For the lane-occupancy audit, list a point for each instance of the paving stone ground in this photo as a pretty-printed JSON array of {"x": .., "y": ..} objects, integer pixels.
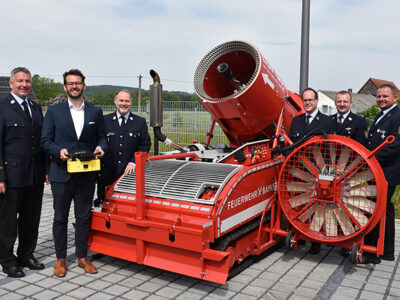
[{"x": 282, "y": 274}]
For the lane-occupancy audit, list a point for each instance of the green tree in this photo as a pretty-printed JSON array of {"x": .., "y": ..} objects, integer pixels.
[
  {"x": 104, "y": 98},
  {"x": 45, "y": 88},
  {"x": 370, "y": 113}
]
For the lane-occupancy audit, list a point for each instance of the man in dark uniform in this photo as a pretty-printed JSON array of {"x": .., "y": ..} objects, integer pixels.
[
  {"x": 348, "y": 123},
  {"x": 307, "y": 122},
  {"x": 311, "y": 119},
  {"x": 126, "y": 134},
  {"x": 22, "y": 175},
  {"x": 386, "y": 123}
]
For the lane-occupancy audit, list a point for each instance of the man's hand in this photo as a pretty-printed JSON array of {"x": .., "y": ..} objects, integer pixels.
[
  {"x": 99, "y": 150},
  {"x": 63, "y": 154},
  {"x": 2, "y": 187},
  {"x": 130, "y": 168},
  {"x": 47, "y": 179}
]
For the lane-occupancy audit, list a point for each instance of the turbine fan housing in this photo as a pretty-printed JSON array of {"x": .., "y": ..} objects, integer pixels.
[{"x": 328, "y": 190}]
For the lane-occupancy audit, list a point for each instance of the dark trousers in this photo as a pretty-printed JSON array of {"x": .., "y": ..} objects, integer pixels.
[
  {"x": 20, "y": 210},
  {"x": 79, "y": 188},
  {"x": 372, "y": 237},
  {"x": 104, "y": 180}
]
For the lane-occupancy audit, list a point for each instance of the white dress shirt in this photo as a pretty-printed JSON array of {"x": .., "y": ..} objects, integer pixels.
[
  {"x": 78, "y": 117},
  {"x": 20, "y": 101}
]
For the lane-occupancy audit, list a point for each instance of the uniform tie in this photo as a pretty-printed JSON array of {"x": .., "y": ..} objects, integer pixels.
[
  {"x": 123, "y": 121},
  {"x": 26, "y": 110},
  {"x": 340, "y": 120},
  {"x": 308, "y": 117}
]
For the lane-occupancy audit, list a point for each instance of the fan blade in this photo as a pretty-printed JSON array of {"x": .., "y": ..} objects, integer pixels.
[
  {"x": 332, "y": 152},
  {"x": 299, "y": 186},
  {"x": 344, "y": 221},
  {"x": 358, "y": 215},
  {"x": 361, "y": 178},
  {"x": 362, "y": 203},
  {"x": 330, "y": 223},
  {"x": 308, "y": 213},
  {"x": 364, "y": 191},
  {"x": 318, "y": 219},
  {"x": 309, "y": 165},
  {"x": 343, "y": 159},
  {"x": 319, "y": 159},
  {"x": 300, "y": 199},
  {"x": 353, "y": 163},
  {"x": 301, "y": 174}
]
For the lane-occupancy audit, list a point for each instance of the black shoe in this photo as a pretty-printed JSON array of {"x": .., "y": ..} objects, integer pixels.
[
  {"x": 315, "y": 248},
  {"x": 14, "y": 271},
  {"x": 32, "y": 264},
  {"x": 387, "y": 257},
  {"x": 344, "y": 252},
  {"x": 97, "y": 202},
  {"x": 370, "y": 259}
]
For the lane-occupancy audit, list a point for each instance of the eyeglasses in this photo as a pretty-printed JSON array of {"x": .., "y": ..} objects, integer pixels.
[
  {"x": 308, "y": 100},
  {"x": 74, "y": 83}
]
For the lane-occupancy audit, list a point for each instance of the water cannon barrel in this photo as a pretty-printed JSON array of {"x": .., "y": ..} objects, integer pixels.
[{"x": 243, "y": 93}]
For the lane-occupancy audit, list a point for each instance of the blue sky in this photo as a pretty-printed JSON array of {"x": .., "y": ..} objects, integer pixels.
[{"x": 113, "y": 41}]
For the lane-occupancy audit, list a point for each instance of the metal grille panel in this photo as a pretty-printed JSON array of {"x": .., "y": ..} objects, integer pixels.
[{"x": 179, "y": 180}]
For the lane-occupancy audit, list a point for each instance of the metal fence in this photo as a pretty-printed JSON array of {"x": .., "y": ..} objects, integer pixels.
[{"x": 183, "y": 123}]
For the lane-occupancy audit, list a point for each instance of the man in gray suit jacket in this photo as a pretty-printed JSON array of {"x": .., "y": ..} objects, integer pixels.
[{"x": 72, "y": 125}]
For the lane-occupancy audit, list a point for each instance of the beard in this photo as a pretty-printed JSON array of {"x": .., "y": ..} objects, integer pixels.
[
  {"x": 74, "y": 97},
  {"x": 123, "y": 112}
]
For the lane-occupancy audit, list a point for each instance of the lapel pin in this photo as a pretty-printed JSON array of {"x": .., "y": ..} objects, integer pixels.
[
  {"x": 114, "y": 117},
  {"x": 317, "y": 118},
  {"x": 12, "y": 101},
  {"x": 130, "y": 118},
  {"x": 350, "y": 119}
]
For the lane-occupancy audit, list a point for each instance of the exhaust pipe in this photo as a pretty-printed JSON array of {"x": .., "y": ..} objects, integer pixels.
[{"x": 156, "y": 117}]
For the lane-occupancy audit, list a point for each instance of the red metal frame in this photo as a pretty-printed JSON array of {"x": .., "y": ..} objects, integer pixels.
[
  {"x": 181, "y": 241},
  {"x": 302, "y": 228}
]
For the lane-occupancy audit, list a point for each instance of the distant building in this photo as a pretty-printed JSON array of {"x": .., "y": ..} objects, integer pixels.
[
  {"x": 5, "y": 88},
  {"x": 372, "y": 85},
  {"x": 361, "y": 102}
]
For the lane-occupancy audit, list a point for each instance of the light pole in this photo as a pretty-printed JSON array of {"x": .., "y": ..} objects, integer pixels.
[{"x": 305, "y": 45}]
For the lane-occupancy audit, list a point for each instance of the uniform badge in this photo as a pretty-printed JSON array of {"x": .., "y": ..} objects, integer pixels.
[
  {"x": 350, "y": 119},
  {"x": 130, "y": 118},
  {"x": 383, "y": 133},
  {"x": 348, "y": 129},
  {"x": 12, "y": 101},
  {"x": 317, "y": 118},
  {"x": 114, "y": 117}
]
